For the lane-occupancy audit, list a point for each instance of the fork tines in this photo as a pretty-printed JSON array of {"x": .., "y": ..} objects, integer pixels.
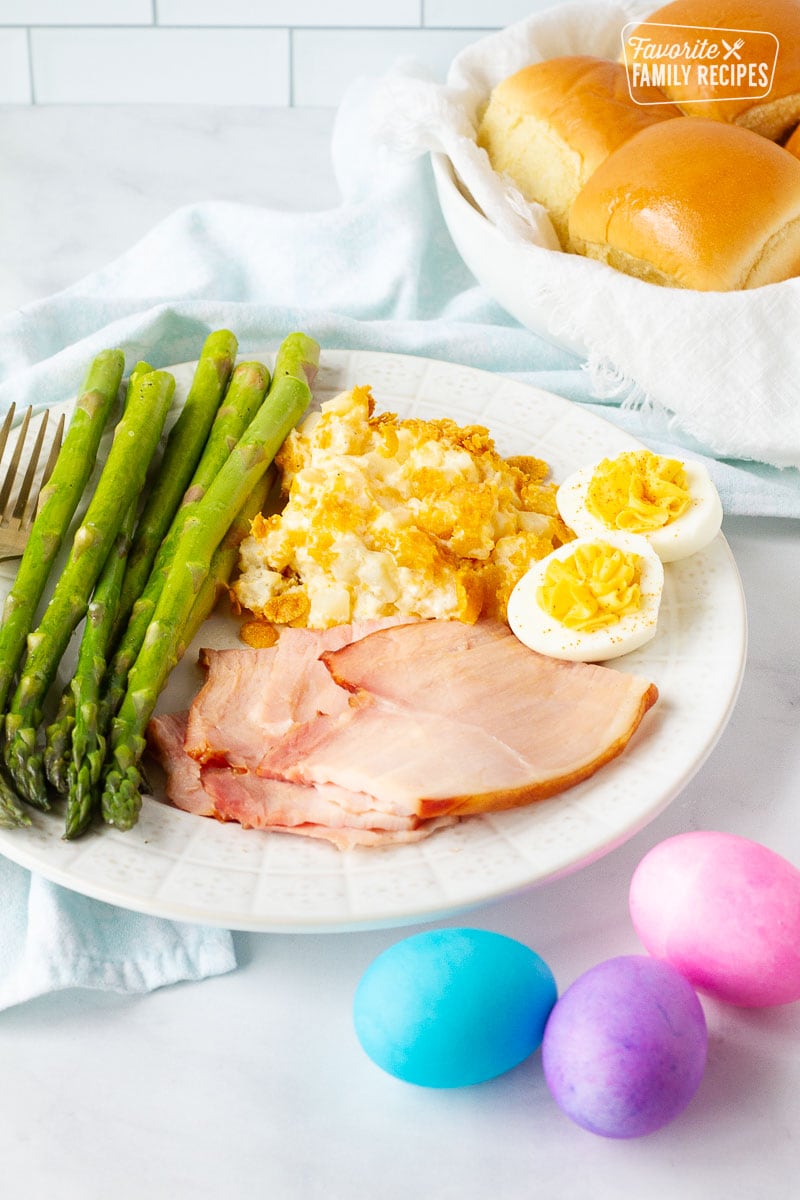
[{"x": 20, "y": 506}]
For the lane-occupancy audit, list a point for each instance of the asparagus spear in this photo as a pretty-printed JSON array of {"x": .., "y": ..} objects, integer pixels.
[
  {"x": 286, "y": 402},
  {"x": 120, "y": 483},
  {"x": 226, "y": 556},
  {"x": 87, "y": 748},
  {"x": 11, "y": 815},
  {"x": 223, "y": 564},
  {"x": 58, "y": 735},
  {"x": 57, "y": 503},
  {"x": 83, "y": 746},
  {"x": 58, "y": 741},
  {"x": 181, "y": 453},
  {"x": 248, "y": 386}
]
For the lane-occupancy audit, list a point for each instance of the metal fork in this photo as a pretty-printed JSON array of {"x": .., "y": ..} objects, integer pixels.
[{"x": 18, "y": 504}]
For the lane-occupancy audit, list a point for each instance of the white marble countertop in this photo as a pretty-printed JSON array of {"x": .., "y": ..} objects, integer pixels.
[{"x": 252, "y": 1084}]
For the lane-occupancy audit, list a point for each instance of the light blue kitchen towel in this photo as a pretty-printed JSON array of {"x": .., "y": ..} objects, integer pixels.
[
  {"x": 378, "y": 272},
  {"x": 53, "y": 938}
]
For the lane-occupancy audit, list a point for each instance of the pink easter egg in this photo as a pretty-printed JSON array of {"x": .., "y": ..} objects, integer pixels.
[{"x": 725, "y": 912}]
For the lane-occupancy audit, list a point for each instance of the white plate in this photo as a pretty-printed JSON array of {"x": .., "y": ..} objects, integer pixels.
[{"x": 190, "y": 868}]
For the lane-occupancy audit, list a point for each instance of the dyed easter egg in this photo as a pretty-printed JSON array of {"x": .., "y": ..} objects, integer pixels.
[
  {"x": 725, "y": 912},
  {"x": 450, "y": 1007},
  {"x": 624, "y": 1049}
]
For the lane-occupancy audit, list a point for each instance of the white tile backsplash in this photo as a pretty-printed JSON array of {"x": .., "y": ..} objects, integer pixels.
[
  {"x": 76, "y": 12},
  {"x": 154, "y": 66},
  {"x": 233, "y": 52},
  {"x": 322, "y": 13},
  {"x": 325, "y": 61},
  {"x": 15, "y": 87},
  {"x": 479, "y": 14}
]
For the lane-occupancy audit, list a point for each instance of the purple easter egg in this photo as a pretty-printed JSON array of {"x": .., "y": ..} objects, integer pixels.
[{"x": 624, "y": 1049}]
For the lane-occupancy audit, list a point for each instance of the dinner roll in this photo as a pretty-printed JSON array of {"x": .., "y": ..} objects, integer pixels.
[
  {"x": 696, "y": 204},
  {"x": 792, "y": 143},
  {"x": 551, "y": 124},
  {"x": 718, "y": 96}
]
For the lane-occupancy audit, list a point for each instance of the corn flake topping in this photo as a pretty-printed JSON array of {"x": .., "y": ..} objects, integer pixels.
[{"x": 388, "y": 517}]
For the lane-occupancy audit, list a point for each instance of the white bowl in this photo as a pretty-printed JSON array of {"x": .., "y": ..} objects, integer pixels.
[{"x": 497, "y": 265}]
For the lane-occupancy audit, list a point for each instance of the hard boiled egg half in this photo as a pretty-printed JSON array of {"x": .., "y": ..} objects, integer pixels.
[
  {"x": 592, "y": 599},
  {"x": 672, "y": 504}
]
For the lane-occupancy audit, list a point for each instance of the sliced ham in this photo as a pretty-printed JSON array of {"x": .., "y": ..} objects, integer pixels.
[
  {"x": 184, "y": 788},
  {"x": 251, "y": 698},
  {"x": 323, "y": 810},
  {"x": 240, "y": 796},
  {"x": 459, "y": 719},
  {"x": 379, "y": 739},
  {"x": 259, "y": 803}
]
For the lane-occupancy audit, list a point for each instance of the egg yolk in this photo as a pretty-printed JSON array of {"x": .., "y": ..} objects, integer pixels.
[
  {"x": 638, "y": 491},
  {"x": 592, "y": 588}
]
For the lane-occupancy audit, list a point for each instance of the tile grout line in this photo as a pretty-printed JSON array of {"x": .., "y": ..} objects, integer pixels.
[
  {"x": 31, "y": 82},
  {"x": 290, "y": 32},
  {"x": 318, "y": 27}
]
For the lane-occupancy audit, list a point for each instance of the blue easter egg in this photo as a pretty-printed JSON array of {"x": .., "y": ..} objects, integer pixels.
[{"x": 451, "y": 1007}]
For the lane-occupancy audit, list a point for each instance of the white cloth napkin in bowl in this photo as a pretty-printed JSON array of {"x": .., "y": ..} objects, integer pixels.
[{"x": 724, "y": 366}]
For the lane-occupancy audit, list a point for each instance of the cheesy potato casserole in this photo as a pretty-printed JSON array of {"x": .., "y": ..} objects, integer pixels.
[{"x": 389, "y": 517}]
